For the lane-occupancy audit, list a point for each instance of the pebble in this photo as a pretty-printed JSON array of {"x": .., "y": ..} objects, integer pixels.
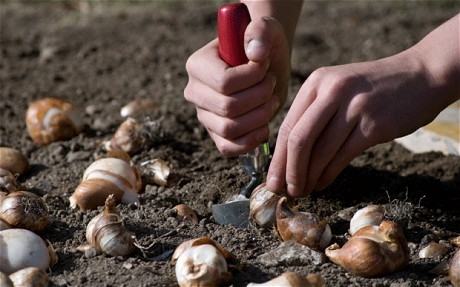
[
  {"x": 78, "y": 155},
  {"x": 292, "y": 254}
]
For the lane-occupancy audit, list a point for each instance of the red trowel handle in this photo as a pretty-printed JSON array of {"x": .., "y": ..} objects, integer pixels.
[{"x": 232, "y": 20}]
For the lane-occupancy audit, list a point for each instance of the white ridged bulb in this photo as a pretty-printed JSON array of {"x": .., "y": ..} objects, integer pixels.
[
  {"x": 201, "y": 265},
  {"x": 107, "y": 234},
  {"x": 104, "y": 177}
]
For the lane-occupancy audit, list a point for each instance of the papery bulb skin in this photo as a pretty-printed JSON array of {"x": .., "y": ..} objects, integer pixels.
[
  {"x": 367, "y": 216},
  {"x": 262, "y": 206},
  {"x": 127, "y": 137},
  {"x": 30, "y": 276},
  {"x": 5, "y": 280},
  {"x": 185, "y": 213},
  {"x": 203, "y": 266},
  {"x": 201, "y": 262},
  {"x": 373, "y": 251},
  {"x": 8, "y": 182},
  {"x": 454, "y": 269},
  {"x": 51, "y": 119},
  {"x": 302, "y": 227},
  {"x": 104, "y": 177},
  {"x": 107, "y": 234},
  {"x": 432, "y": 250},
  {"x": 23, "y": 209},
  {"x": 13, "y": 160}
]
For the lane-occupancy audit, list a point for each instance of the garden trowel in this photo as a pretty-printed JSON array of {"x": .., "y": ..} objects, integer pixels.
[{"x": 232, "y": 20}]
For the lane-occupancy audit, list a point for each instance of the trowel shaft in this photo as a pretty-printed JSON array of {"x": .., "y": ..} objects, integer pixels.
[{"x": 232, "y": 22}]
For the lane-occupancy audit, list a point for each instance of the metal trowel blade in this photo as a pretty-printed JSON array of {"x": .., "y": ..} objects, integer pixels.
[{"x": 235, "y": 212}]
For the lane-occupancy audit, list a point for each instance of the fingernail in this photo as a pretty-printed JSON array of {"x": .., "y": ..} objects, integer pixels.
[
  {"x": 272, "y": 182},
  {"x": 255, "y": 49}
]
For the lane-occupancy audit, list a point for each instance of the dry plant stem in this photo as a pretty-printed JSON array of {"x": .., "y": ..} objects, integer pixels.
[{"x": 144, "y": 248}]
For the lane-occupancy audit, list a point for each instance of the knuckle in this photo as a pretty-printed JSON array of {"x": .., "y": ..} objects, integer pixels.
[
  {"x": 222, "y": 83},
  {"x": 226, "y": 129},
  {"x": 284, "y": 131},
  {"x": 226, "y": 108},
  {"x": 188, "y": 93}
]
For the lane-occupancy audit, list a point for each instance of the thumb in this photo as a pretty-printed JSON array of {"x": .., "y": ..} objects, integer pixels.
[{"x": 261, "y": 37}]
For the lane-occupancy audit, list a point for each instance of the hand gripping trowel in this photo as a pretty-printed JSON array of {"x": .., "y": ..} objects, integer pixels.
[{"x": 232, "y": 20}]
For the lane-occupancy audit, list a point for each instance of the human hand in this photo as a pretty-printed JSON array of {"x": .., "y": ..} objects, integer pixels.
[
  {"x": 341, "y": 111},
  {"x": 235, "y": 104}
]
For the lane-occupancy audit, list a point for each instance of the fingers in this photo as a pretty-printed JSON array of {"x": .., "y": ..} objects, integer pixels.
[
  {"x": 234, "y": 105},
  {"x": 240, "y": 145},
  {"x": 326, "y": 148},
  {"x": 206, "y": 66},
  {"x": 351, "y": 148},
  {"x": 313, "y": 133},
  {"x": 263, "y": 37},
  {"x": 231, "y": 128},
  {"x": 277, "y": 173}
]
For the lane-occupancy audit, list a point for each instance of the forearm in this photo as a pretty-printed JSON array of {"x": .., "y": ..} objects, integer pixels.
[
  {"x": 439, "y": 52},
  {"x": 286, "y": 12}
]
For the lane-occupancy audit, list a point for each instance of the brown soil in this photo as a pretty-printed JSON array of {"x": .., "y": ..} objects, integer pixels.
[{"x": 101, "y": 56}]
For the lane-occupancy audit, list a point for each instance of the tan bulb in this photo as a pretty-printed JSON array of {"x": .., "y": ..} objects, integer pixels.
[
  {"x": 13, "y": 160},
  {"x": 262, "y": 206},
  {"x": 104, "y": 177},
  {"x": 302, "y": 227},
  {"x": 107, "y": 233},
  {"x": 22, "y": 209},
  {"x": 373, "y": 251},
  {"x": 51, "y": 119}
]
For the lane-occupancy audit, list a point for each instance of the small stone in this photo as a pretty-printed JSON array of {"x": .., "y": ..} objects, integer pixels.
[{"x": 292, "y": 254}]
